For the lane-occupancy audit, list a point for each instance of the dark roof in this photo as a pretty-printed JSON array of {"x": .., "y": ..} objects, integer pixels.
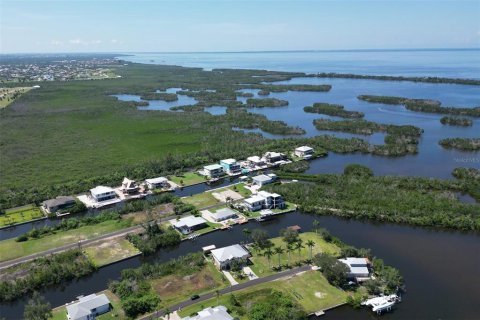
[{"x": 58, "y": 201}]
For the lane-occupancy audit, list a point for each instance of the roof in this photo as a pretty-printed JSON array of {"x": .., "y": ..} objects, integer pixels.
[
  {"x": 273, "y": 154},
  {"x": 262, "y": 178},
  {"x": 128, "y": 184},
  {"x": 156, "y": 180},
  {"x": 355, "y": 261},
  {"x": 84, "y": 305},
  {"x": 254, "y": 199},
  {"x": 215, "y": 313},
  {"x": 254, "y": 159},
  {"x": 101, "y": 189},
  {"x": 224, "y": 213},
  {"x": 189, "y": 221},
  {"x": 266, "y": 194},
  {"x": 213, "y": 167},
  {"x": 229, "y": 161},
  {"x": 229, "y": 253},
  {"x": 58, "y": 201},
  {"x": 303, "y": 148}
]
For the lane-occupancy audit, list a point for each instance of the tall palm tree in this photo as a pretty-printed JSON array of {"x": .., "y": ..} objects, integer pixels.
[
  {"x": 279, "y": 251},
  {"x": 289, "y": 250},
  {"x": 299, "y": 245},
  {"x": 167, "y": 313},
  {"x": 246, "y": 233},
  {"x": 316, "y": 224},
  {"x": 268, "y": 254},
  {"x": 217, "y": 294},
  {"x": 310, "y": 244}
]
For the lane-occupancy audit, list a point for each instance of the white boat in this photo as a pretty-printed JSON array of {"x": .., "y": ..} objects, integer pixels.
[{"x": 381, "y": 303}]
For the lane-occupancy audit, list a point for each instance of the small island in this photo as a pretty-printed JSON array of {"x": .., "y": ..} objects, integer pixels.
[
  {"x": 464, "y": 144},
  {"x": 456, "y": 121},
  {"x": 266, "y": 103},
  {"x": 332, "y": 110}
]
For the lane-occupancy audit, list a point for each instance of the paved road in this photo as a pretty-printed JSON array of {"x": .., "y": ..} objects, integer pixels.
[{"x": 184, "y": 304}]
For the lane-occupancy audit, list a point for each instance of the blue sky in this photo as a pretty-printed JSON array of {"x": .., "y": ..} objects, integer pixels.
[{"x": 164, "y": 26}]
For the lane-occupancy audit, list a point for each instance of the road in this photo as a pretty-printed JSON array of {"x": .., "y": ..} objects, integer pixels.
[{"x": 184, "y": 304}]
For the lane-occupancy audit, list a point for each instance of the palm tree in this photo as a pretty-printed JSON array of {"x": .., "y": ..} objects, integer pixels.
[
  {"x": 310, "y": 244},
  {"x": 217, "y": 294},
  {"x": 316, "y": 224},
  {"x": 279, "y": 251},
  {"x": 289, "y": 250},
  {"x": 299, "y": 245},
  {"x": 167, "y": 313},
  {"x": 247, "y": 233},
  {"x": 268, "y": 254}
]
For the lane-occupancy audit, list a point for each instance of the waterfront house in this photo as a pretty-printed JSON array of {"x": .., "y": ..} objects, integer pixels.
[
  {"x": 213, "y": 171},
  {"x": 102, "y": 193},
  {"x": 157, "y": 183},
  {"x": 358, "y": 267},
  {"x": 254, "y": 203},
  {"x": 264, "y": 179},
  {"x": 129, "y": 186},
  {"x": 87, "y": 308},
  {"x": 230, "y": 166},
  {"x": 256, "y": 161},
  {"x": 215, "y": 313},
  {"x": 224, "y": 214},
  {"x": 223, "y": 257},
  {"x": 304, "y": 152},
  {"x": 59, "y": 203},
  {"x": 273, "y": 157},
  {"x": 272, "y": 200},
  {"x": 189, "y": 224}
]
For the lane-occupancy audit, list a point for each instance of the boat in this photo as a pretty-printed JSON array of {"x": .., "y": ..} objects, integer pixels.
[{"x": 381, "y": 303}]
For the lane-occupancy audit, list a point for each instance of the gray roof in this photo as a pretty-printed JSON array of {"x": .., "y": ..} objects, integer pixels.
[
  {"x": 58, "y": 201},
  {"x": 215, "y": 313},
  {"x": 224, "y": 213},
  {"x": 85, "y": 305},
  {"x": 228, "y": 253},
  {"x": 213, "y": 167},
  {"x": 189, "y": 222},
  {"x": 262, "y": 178}
]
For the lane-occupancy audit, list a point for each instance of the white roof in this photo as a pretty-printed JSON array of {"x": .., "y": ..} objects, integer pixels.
[
  {"x": 229, "y": 161},
  {"x": 223, "y": 214},
  {"x": 229, "y": 253},
  {"x": 189, "y": 221},
  {"x": 273, "y": 154},
  {"x": 83, "y": 307},
  {"x": 266, "y": 194},
  {"x": 156, "y": 180},
  {"x": 215, "y": 313},
  {"x": 262, "y": 178},
  {"x": 355, "y": 261},
  {"x": 254, "y": 159},
  {"x": 254, "y": 199},
  {"x": 101, "y": 189},
  {"x": 213, "y": 167},
  {"x": 303, "y": 148}
]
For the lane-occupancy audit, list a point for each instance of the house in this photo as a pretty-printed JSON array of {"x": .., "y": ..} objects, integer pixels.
[
  {"x": 264, "y": 179},
  {"x": 358, "y": 267},
  {"x": 254, "y": 203},
  {"x": 272, "y": 200},
  {"x": 272, "y": 157},
  {"x": 102, "y": 193},
  {"x": 157, "y": 183},
  {"x": 59, "y": 203},
  {"x": 87, "y": 308},
  {"x": 256, "y": 161},
  {"x": 224, "y": 256},
  {"x": 213, "y": 171},
  {"x": 304, "y": 152},
  {"x": 224, "y": 214},
  {"x": 189, "y": 224},
  {"x": 129, "y": 186},
  {"x": 230, "y": 166},
  {"x": 215, "y": 313}
]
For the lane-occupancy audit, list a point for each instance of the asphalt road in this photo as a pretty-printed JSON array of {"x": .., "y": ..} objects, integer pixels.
[{"x": 184, "y": 304}]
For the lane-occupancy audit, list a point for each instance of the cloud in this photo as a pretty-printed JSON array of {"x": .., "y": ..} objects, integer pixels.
[
  {"x": 84, "y": 42},
  {"x": 56, "y": 42}
]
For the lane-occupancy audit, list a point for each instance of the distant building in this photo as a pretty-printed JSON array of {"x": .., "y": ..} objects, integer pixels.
[
  {"x": 102, "y": 193},
  {"x": 230, "y": 166},
  {"x": 189, "y": 224},
  {"x": 263, "y": 179},
  {"x": 358, "y": 267},
  {"x": 224, "y": 214},
  {"x": 215, "y": 313},
  {"x": 129, "y": 186},
  {"x": 213, "y": 170},
  {"x": 59, "y": 203},
  {"x": 157, "y": 183},
  {"x": 256, "y": 161},
  {"x": 87, "y": 308},
  {"x": 224, "y": 256},
  {"x": 264, "y": 200},
  {"x": 304, "y": 152},
  {"x": 272, "y": 157}
]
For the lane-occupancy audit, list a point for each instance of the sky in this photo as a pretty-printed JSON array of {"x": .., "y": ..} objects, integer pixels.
[{"x": 44, "y": 26}]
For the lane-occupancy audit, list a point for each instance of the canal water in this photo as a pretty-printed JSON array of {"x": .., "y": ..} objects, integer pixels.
[{"x": 440, "y": 267}]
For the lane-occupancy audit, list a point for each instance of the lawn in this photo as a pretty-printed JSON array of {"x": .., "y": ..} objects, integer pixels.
[
  {"x": 201, "y": 200},
  {"x": 260, "y": 263},
  {"x": 10, "y": 249},
  {"x": 309, "y": 289},
  {"x": 8, "y": 95},
  {"x": 21, "y": 214},
  {"x": 173, "y": 289},
  {"x": 188, "y": 178},
  {"x": 108, "y": 251}
]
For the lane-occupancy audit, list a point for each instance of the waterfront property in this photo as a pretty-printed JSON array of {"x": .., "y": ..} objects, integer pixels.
[
  {"x": 358, "y": 268},
  {"x": 274, "y": 157},
  {"x": 87, "y": 308},
  {"x": 213, "y": 170},
  {"x": 189, "y": 224},
  {"x": 129, "y": 186},
  {"x": 230, "y": 166},
  {"x": 20, "y": 214},
  {"x": 223, "y": 257},
  {"x": 223, "y": 214},
  {"x": 59, "y": 203},
  {"x": 157, "y": 183},
  {"x": 102, "y": 193},
  {"x": 211, "y": 313},
  {"x": 264, "y": 200},
  {"x": 304, "y": 152},
  {"x": 256, "y": 161},
  {"x": 264, "y": 179}
]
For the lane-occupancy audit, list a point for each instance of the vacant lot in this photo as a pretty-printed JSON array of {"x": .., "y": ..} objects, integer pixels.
[
  {"x": 187, "y": 178},
  {"x": 19, "y": 215},
  {"x": 108, "y": 251}
]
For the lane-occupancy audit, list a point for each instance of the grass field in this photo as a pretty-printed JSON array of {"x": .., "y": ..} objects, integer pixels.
[
  {"x": 310, "y": 290},
  {"x": 188, "y": 178},
  {"x": 109, "y": 251},
  {"x": 10, "y": 249},
  {"x": 18, "y": 215},
  {"x": 7, "y": 95},
  {"x": 201, "y": 200},
  {"x": 260, "y": 263}
]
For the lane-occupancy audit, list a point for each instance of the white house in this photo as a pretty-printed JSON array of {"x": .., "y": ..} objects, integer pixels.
[
  {"x": 215, "y": 313},
  {"x": 190, "y": 223},
  {"x": 230, "y": 166},
  {"x": 304, "y": 152},
  {"x": 254, "y": 203},
  {"x": 87, "y": 308},
  {"x": 358, "y": 267},
  {"x": 224, "y": 214},
  {"x": 213, "y": 170},
  {"x": 102, "y": 193},
  {"x": 129, "y": 186},
  {"x": 256, "y": 161},
  {"x": 272, "y": 157},
  {"x": 264, "y": 200},
  {"x": 157, "y": 183},
  {"x": 224, "y": 256},
  {"x": 264, "y": 179}
]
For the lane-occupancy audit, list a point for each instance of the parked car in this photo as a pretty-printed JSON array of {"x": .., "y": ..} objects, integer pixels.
[{"x": 194, "y": 297}]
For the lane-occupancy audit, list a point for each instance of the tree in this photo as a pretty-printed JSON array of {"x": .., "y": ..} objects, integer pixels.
[
  {"x": 315, "y": 225},
  {"x": 310, "y": 244},
  {"x": 279, "y": 251},
  {"x": 247, "y": 233},
  {"x": 268, "y": 254},
  {"x": 299, "y": 245},
  {"x": 289, "y": 251},
  {"x": 335, "y": 271},
  {"x": 217, "y": 294},
  {"x": 260, "y": 238},
  {"x": 167, "y": 313},
  {"x": 289, "y": 236},
  {"x": 37, "y": 308},
  {"x": 357, "y": 170}
]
